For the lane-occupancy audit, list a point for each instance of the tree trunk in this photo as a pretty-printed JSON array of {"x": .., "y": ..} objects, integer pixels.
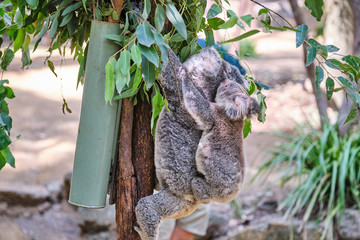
[
  {"x": 320, "y": 97},
  {"x": 136, "y": 169}
]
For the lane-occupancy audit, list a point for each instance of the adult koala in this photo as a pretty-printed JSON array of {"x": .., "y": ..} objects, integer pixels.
[{"x": 177, "y": 138}]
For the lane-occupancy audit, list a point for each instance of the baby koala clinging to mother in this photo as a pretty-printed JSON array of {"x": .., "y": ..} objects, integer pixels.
[{"x": 220, "y": 157}]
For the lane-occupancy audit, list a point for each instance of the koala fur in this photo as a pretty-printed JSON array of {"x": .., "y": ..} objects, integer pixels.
[
  {"x": 220, "y": 157},
  {"x": 177, "y": 138}
]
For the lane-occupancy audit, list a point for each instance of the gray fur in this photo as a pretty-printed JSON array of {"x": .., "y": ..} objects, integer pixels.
[
  {"x": 220, "y": 156},
  {"x": 177, "y": 138}
]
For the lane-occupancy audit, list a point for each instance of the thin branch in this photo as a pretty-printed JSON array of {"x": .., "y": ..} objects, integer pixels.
[{"x": 272, "y": 12}]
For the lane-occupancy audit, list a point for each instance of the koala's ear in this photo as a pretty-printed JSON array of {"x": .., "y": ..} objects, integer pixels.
[
  {"x": 234, "y": 74},
  {"x": 211, "y": 61},
  {"x": 254, "y": 108}
]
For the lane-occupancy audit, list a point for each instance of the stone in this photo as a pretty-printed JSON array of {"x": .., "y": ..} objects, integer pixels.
[
  {"x": 274, "y": 227},
  {"x": 96, "y": 220},
  {"x": 30, "y": 195},
  {"x": 349, "y": 228}
]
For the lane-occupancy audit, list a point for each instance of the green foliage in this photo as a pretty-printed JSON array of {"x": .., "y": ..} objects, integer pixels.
[
  {"x": 325, "y": 168},
  {"x": 247, "y": 49}
]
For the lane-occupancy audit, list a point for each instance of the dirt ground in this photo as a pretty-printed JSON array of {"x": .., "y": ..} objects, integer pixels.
[{"x": 45, "y": 151}]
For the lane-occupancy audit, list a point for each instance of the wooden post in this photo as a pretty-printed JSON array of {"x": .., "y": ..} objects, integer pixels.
[{"x": 136, "y": 160}]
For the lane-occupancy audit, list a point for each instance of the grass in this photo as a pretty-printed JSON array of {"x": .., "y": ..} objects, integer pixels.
[{"x": 326, "y": 170}]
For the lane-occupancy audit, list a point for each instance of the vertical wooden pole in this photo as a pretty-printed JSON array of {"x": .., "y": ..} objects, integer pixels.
[{"x": 136, "y": 160}]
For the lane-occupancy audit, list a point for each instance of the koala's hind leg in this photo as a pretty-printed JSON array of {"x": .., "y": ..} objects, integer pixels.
[
  {"x": 201, "y": 189},
  {"x": 152, "y": 210}
]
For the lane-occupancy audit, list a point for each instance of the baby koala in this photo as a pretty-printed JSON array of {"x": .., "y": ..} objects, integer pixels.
[{"x": 220, "y": 157}]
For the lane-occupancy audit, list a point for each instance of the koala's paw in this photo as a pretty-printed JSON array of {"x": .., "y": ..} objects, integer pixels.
[
  {"x": 200, "y": 189},
  {"x": 143, "y": 235}
]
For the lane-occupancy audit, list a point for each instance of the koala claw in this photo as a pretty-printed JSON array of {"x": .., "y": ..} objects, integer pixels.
[{"x": 143, "y": 235}]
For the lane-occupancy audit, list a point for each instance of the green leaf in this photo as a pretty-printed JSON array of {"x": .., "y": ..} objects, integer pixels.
[
  {"x": 176, "y": 38},
  {"x": 145, "y": 35},
  {"x": 210, "y": 40},
  {"x": 213, "y": 11},
  {"x": 114, "y": 15},
  {"x": 115, "y": 37},
  {"x": 51, "y": 66},
  {"x": 334, "y": 63},
  {"x": 71, "y": 8},
  {"x": 53, "y": 27},
  {"x": 310, "y": 55},
  {"x": 9, "y": 158},
  {"x": 329, "y": 87},
  {"x": 300, "y": 36},
  {"x": 10, "y": 93},
  {"x": 332, "y": 48},
  {"x": 6, "y": 122},
  {"x": 159, "y": 39},
  {"x": 19, "y": 19},
  {"x": 261, "y": 99},
  {"x": 33, "y": 4},
  {"x": 25, "y": 58},
  {"x": 150, "y": 53},
  {"x": 199, "y": 17},
  {"x": 160, "y": 17},
  {"x": 109, "y": 80},
  {"x": 262, "y": 85},
  {"x": 19, "y": 40},
  {"x": 351, "y": 115},
  {"x": 347, "y": 84},
  {"x": 251, "y": 88},
  {"x": 84, "y": 5},
  {"x": 136, "y": 55},
  {"x": 319, "y": 76},
  {"x": 315, "y": 7},
  {"x": 2, "y": 162},
  {"x": 121, "y": 79},
  {"x": 247, "y": 19},
  {"x": 247, "y": 127},
  {"x": 231, "y": 22},
  {"x": 242, "y": 36},
  {"x": 137, "y": 80},
  {"x": 4, "y": 139},
  {"x": 263, "y": 11},
  {"x": 164, "y": 54},
  {"x": 148, "y": 71},
  {"x": 66, "y": 19},
  {"x": 125, "y": 62},
  {"x": 147, "y": 9},
  {"x": 7, "y": 58},
  {"x": 26, "y": 42},
  {"x": 214, "y": 23},
  {"x": 175, "y": 18},
  {"x": 157, "y": 103}
]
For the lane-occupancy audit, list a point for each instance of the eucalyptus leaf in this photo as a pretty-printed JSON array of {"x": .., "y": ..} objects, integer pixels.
[
  {"x": 137, "y": 79},
  {"x": 329, "y": 87},
  {"x": 215, "y": 23},
  {"x": 33, "y": 3},
  {"x": 6, "y": 122},
  {"x": 19, "y": 40},
  {"x": 213, "y": 11},
  {"x": 136, "y": 55},
  {"x": 51, "y": 67},
  {"x": 300, "y": 36},
  {"x": 6, "y": 59},
  {"x": 310, "y": 55},
  {"x": 150, "y": 53},
  {"x": 247, "y": 127},
  {"x": 148, "y": 72},
  {"x": 109, "y": 81},
  {"x": 145, "y": 35},
  {"x": 175, "y": 18},
  {"x": 157, "y": 104},
  {"x": 147, "y": 9},
  {"x": 353, "y": 113},
  {"x": 315, "y": 7},
  {"x": 247, "y": 19},
  {"x": 66, "y": 19},
  {"x": 4, "y": 139},
  {"x": 160, "y": 17},
  {"x": 242, "y": 36},
  {"x": 9, "y": 158},
  {"x": 53, "y": 28},
  {"x": 71, "y": 8},
  {"x": 332, "y": 48},
  {"x": 19, "y": 19},
  {"x": 261, "y": 99},
  {"x": 319, "y": 76},
  {"x": 125, "y": 62}
]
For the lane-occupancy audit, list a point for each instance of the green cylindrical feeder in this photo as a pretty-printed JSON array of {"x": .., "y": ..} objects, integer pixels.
[{"x": 97, "y": 133}]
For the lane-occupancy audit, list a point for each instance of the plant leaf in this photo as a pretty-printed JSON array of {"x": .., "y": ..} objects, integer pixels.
[
  {"x": 231, "y": 22},
  {"x": 157, "y": 103},
  {"x": 137, "y": 79},
  {"x": 247, "y": 127},
  {"x": 150, "y": 53},
  {"x": 136, "y": 55},
  {"x": 109, "y": 80},
  {"x": 315, "y": 7},
  {"x": 71, "y": 8},
  {"x": 9, "y": 158},
  {"x": 319, "y": 76},
  {"x": 351, "y": 115},
  {"x": 4, "y": 139},
  {"x": 261, "y": 99},
  {"x": 242, "y": 36},
  {"x": 51, "y": 66},
  {"x": 19, "y": 40},
  {"x": 148, "y": 71},
  {"x": 7, "y": 58},
  {"x": 66, "y": 19},
  {"x": 125, "y": 62},
  {"x": 310, "y": 55},
  {"x": 247, "y": 19},
  {"x": 300, "y": 36},
  {"x": 175, "y": 18},
  {"x": 145, "y": 35},
  {"x": 329, "y": 87},
  {"x": 160, "y": 17},
  {"x": 213, "y": 11},
  {"x": 33, "y": 4},
  {"x": 147, "y": 9},
  {"x": 332, "y": 48}
]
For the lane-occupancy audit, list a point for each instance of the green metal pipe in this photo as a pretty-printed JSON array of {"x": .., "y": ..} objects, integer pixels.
[{"x": 97, "y": 134}]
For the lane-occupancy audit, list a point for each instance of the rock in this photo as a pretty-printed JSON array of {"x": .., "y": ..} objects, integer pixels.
[
  {"x": 10, "y": 230},
  {"x": 349, "y": 228},
  {"x": 24, "y": 195},
  {"x": 276, "y": 228},
  {"x": 96, "y": 220}
]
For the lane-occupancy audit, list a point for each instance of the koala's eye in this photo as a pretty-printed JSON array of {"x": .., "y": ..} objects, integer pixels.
[{"x": 226, "y": 85}]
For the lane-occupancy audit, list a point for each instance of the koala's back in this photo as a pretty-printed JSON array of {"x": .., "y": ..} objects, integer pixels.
[{"x": 176, "y": 141}]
